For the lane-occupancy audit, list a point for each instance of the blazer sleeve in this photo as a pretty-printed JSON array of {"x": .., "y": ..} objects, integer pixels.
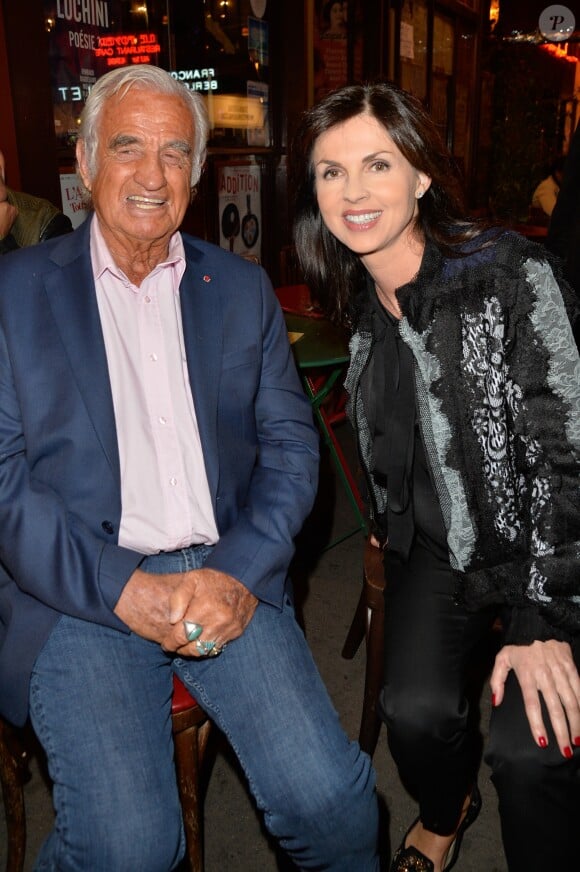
[
  {"x": 44, "y": 548},
  {"x": 256, "y": 545}
]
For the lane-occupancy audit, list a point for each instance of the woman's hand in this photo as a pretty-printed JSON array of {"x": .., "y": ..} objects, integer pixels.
[{"x": 545, "y": 668}]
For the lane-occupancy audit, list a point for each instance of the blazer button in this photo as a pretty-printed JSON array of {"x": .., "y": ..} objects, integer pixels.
[{"x": 108, "y": 527}]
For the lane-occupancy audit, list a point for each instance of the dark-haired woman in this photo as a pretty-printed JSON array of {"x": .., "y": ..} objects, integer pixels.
[{"x": 464, "y": 391}]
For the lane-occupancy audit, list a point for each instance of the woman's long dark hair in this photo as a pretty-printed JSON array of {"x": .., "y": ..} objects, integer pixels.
[{"x": 332, "y": 271}]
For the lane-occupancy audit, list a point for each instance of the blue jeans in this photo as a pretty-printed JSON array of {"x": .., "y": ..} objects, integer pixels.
[{"x": 101, "y": 704}]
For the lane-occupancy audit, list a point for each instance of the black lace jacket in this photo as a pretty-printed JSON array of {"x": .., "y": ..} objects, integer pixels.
[{"x": 497, "y": 378}]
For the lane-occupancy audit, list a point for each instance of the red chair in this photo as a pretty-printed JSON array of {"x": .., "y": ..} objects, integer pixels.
[
  {"x": 296, "y": 300},
  {"x": 191, "y": 728}
]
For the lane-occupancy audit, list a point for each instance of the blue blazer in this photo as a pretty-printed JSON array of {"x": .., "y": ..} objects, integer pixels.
[{"x": 60, "y": 498}]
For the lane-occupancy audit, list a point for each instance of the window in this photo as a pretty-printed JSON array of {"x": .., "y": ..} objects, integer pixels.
[
  {"x": 219, "y": 48},
  {"x": 413, "y": 48}
]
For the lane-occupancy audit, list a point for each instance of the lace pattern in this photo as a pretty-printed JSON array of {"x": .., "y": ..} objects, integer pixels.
[
  {"x": 498, "y": 395},
  {"x": 494, "y": 397}
]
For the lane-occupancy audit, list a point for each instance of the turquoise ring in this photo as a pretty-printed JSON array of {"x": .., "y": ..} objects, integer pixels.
[
  {"x": 192, "y": 630},
  {"x": 204, "y": 648}
]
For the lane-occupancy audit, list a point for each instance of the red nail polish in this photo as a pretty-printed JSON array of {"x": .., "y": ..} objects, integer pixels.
[
  {"x": 542, "y": 741},
  {"x": 493, "y": 699},
  {"x": 567, "y": 751},
  {"x": 577, "y": 740}
]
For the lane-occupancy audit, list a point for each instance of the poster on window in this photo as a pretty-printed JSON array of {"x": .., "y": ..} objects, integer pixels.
[
  {"x": 73, "y": 203},
  {"x": 330, "y": 46},
  {"x": 87, "y": 39},
  {"x": 337, "y": 24},
  {"x": 258, "y": 41},
  {"x": 260, "y": 91},
  {"x": 239, "y": 208}
]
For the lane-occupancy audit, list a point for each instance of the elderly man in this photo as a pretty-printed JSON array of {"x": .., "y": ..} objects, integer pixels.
[{"x": 157, "y": 457}]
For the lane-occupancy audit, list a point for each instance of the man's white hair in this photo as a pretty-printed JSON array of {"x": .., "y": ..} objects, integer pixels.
[{"x": 146, "y": 78}]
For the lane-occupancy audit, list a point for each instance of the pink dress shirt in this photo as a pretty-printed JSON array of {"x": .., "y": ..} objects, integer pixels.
[{"x": 166, "y": 502}]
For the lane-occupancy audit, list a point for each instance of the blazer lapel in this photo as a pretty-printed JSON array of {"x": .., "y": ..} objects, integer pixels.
[{"x": 71, "y": 295}]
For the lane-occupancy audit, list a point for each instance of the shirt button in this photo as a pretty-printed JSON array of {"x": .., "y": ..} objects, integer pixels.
[
  {"x": 162, "y": 420},
  {"x": 173, "y": 481},
  {"x": 147, "y": 299},
  {"x": 153, "y": 357}
]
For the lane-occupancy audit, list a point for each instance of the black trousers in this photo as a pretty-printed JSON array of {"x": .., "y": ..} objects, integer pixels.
[{"x": 432, "y": 651}]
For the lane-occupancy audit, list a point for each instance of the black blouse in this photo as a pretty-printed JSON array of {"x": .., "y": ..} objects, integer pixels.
[{"x": 400, "y": 463}]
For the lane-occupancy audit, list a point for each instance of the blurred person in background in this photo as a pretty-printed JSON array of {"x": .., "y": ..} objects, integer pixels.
[
  {"x": 26, "y": 220},
  {"x": 546, "y": 193}
]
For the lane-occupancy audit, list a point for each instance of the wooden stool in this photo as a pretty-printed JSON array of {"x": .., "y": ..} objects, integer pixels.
[
  {"x": 368, "y": 623},
  {"x": 13, "y": 774},
  {"x": 191, "y": 728}
]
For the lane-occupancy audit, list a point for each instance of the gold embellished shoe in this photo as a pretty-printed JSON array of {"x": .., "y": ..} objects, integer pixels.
[{"x": 412, "y": 860}]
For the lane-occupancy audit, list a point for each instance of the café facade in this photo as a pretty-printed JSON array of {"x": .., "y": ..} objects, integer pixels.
[{"x": 258, "y": 64}]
